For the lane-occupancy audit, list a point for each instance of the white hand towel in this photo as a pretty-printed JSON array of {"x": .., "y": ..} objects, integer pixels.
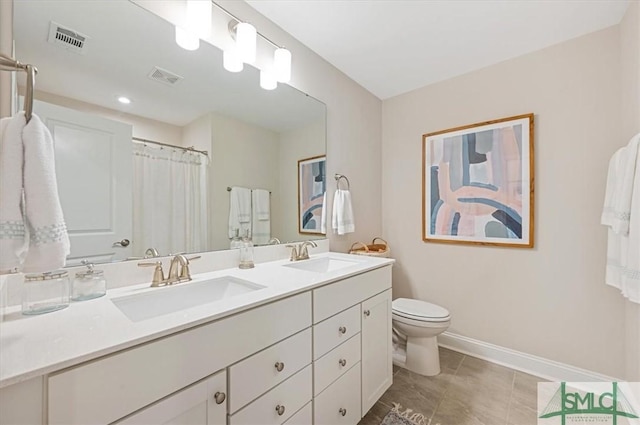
[
  {"x": 623, "y": 250},
  {"x": 342, "y": 218},
  {"x": 239, "y": 211},
  {"x": 323, "y": 217},
  {"x": 614, "y": 175},
  {"x": 13, "y": 238},
  {"x": 48, "y": 241},
  {"x": 261, "y": 222}
]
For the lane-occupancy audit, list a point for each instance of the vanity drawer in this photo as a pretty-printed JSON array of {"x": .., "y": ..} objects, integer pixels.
[
  {"x": 340, "y": 403},
  {"x": 335, "y": 330},
  {"x": 335, "y": 297},
  {"x": 109, "y": 388},
  {"x": 290, "y": 395},
  {"x": 335, "y": 363},
  {"x": 303, "y": 417},
  {"x": 255, "y": 375}
]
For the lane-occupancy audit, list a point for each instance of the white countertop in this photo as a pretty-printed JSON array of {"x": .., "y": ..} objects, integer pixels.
[{"x": 31, "y": 346}]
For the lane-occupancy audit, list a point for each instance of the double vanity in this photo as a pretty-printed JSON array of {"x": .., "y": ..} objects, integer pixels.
[{"x": 306, "y": 342}]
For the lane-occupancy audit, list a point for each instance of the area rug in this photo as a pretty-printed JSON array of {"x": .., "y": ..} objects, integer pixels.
[{"x": 407, "y": 417}]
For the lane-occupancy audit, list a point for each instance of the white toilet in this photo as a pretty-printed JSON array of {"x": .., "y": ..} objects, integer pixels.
[{"x": 416, "y": 325}]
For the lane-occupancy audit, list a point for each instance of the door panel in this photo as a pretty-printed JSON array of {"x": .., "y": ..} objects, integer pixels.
[
  {"x": 94, "y": 172},
  {"x": 377, "y": 362}
]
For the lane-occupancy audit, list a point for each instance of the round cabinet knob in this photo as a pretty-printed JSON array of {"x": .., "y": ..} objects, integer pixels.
[
  {"x": 367, "y": 313},
  {"x": 342, "y": 329},
  {"x": 343, "y": 411},
  {"x": 279, "y": 366},
  {"x": 219, "y": 397},
  {"x": 343, "y": 362},
  {"x": 280, "y": 410}
]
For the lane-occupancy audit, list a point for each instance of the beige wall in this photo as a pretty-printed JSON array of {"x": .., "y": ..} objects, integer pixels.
[
  {"x": 550, "y": 301},
  {"x": 305, "y": 142},
  {"x": 630, "y": 90},
  {"x": 242, "y": 155}
]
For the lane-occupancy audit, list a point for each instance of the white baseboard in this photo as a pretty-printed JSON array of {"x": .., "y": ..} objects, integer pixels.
[{"x": 534, "y": 365}]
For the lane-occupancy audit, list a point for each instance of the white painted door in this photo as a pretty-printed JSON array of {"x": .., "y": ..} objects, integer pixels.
[
  {"x": 377, "y": 361},
  {"x": 203, "y": 403},
  {"x": 94, "y": 172}
]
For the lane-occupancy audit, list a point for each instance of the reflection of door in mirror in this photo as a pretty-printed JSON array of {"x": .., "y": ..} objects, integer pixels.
[{"x": 93, "y": 167}]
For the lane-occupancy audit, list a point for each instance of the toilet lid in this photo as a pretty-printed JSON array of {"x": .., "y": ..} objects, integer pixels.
[{"x": 416, "y": 308}]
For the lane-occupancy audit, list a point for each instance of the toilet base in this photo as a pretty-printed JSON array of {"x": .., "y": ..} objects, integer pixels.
[{"x": 421, "y": 355}]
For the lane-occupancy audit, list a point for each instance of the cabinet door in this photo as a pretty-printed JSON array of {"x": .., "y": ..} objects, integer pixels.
[
  {"x": 203, "y": 403},
  {"x": 377, "y": 361}
]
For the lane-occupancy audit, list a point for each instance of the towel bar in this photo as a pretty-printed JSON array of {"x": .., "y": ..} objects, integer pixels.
[{"x": 338, "y": 177}]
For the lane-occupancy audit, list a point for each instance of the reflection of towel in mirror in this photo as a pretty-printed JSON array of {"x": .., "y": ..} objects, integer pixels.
[
  {"x": 621, "y": 215},
  {"x": 13, "y": 242},
  {"x": 323, "y": 216},
  {"x": 48, "y": 238},
  {"x": 239, "y": 211},
  {"x": 342, "y": 217},
  {"x": 261, "y": 222}
]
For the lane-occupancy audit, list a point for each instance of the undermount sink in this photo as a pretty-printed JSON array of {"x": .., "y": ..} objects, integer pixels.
[
  {"x": 181, "y": 297},
  {"x": 321, "y": 265}
]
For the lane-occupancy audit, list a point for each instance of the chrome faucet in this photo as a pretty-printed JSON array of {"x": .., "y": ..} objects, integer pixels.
[
  {"x": 274, "y": 241},
  {"x": 300, "y": 251},
  {"x": 151, "y": 253},
  {"x": 178, "y": 271}
]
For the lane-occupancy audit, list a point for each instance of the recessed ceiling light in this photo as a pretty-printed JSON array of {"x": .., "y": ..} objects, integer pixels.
[{"x": 124, "y": 100}]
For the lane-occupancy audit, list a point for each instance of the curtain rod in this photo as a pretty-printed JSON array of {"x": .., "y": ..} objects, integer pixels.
[{"x": 189, "y": 149}]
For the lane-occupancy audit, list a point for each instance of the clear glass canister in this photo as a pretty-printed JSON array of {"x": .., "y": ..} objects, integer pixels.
[
  {"x": 246, "y": 254},
  {"x": 89, "y": 284},
  {"x": 45, "y": 292}
]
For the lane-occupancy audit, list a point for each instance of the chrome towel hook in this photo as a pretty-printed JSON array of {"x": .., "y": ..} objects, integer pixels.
[{"x": 339, "y": 177}]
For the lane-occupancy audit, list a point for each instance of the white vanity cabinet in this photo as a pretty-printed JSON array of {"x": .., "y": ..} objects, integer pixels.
[
  {"x": 352, "y": 346},
  {"x": 322, "y": 356}
]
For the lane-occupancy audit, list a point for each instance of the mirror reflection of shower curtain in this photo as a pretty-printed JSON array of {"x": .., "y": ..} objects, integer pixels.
[{"x": 169, "y": 200}]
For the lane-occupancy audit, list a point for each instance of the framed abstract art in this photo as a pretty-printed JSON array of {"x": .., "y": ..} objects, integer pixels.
[
  {"x": 477, "y": 183},
  {"x": 311, "y": 189}
]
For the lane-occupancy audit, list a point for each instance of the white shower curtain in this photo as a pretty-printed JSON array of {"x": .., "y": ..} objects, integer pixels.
[{"x": 169, "y": 200}]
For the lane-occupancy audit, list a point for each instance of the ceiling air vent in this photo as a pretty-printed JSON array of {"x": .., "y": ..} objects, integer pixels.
[
  {"x": 67, "y": 38},
  {"x": 163, "y": 76}
]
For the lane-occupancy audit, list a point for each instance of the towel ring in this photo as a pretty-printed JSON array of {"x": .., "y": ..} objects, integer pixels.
[{"x": 339, "y": 177}]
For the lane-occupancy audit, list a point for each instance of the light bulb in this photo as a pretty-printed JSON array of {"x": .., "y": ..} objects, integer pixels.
[
  {"x": 199, "y": 17},
  {"x": 231, "y": 61},
  {"x": 246, "y": 42},
  {"x": 125, "y": 100},
  {"x": 267, "y": 80},
  {"x": 186, "y": 40},
  {"x": 282, "y": 65}
]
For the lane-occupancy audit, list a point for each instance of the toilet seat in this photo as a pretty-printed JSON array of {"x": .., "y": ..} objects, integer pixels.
[{"x": 419, "y": 310}]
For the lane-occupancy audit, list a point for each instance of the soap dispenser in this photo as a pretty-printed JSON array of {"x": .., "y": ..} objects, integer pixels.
[{"x": 246, "y": 253}]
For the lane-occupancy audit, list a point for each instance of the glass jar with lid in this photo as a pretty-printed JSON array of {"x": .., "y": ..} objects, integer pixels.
[
  {"x": 45, "y": 292},
  {"x": 88, "y": 284}
]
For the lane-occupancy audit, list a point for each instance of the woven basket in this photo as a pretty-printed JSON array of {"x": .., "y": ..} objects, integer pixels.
[{"x": 372, "y": 250}]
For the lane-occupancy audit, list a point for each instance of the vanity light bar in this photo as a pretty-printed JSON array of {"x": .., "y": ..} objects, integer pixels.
[{"x": 245, "y": 36}]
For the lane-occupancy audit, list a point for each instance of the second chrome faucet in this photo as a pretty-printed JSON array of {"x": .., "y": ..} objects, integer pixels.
[
  {"x": 300, "y": 251},
  {"x": 178, "y": 270}
]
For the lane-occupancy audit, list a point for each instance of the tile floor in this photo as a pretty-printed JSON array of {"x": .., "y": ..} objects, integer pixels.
[{"x": 468, "y": 391}]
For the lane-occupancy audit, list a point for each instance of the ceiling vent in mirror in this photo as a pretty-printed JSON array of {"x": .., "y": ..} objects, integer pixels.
[
  {"x": 67, "y": 38},
  {"x": 163, "y": 76}
]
